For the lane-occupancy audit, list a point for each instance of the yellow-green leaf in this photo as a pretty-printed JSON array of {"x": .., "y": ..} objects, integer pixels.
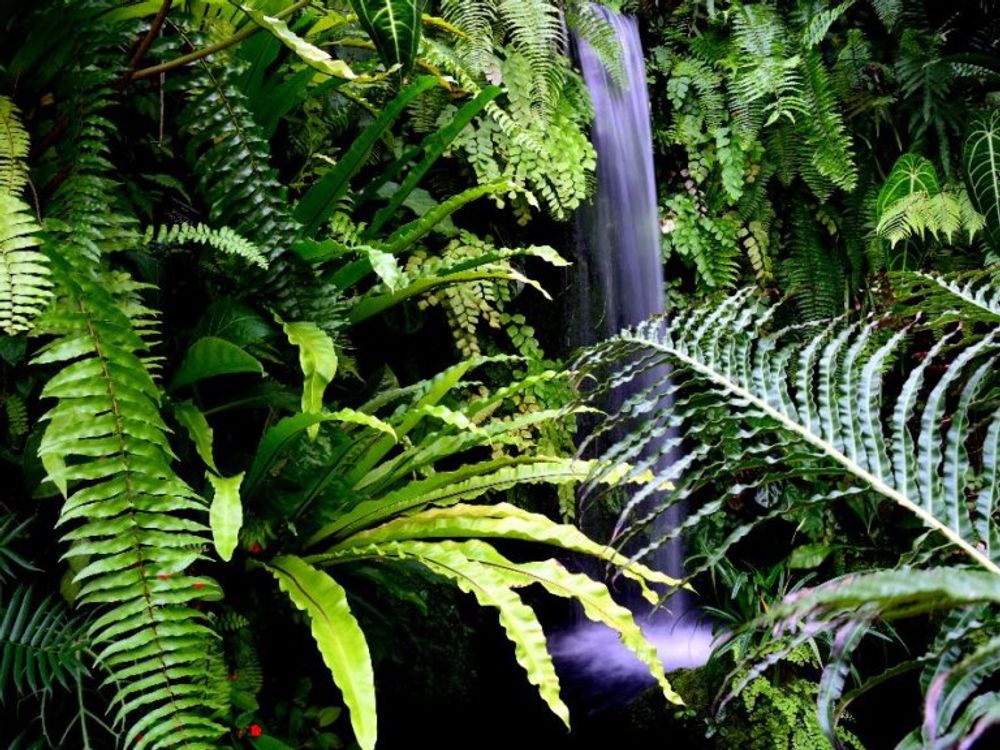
[
  {"x": 318, "y": 360},
  {"x": 340, "y": 639},
  {"x": 226, "y": 513},
  {"x": 198, "y": 430},
  {"x": 310, "y": 54}
]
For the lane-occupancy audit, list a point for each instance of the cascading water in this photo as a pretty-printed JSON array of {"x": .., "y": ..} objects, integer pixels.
[{"x": 618, "y": 280}]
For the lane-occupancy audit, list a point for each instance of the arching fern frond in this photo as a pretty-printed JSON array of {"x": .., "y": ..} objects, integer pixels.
[
  {"x": 41, "y": 644},
  {"x": 972, "y": 297},
  {"x": 812, "y": 399},
  {"x": 24, "y": 283},
  {"x": 225, "y": 240}
]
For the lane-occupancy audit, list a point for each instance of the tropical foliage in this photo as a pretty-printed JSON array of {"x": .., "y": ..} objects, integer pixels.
[{"x": 289, "y": 426}]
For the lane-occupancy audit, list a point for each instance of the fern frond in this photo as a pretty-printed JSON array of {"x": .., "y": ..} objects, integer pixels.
[
  {"x": 817, "y": 403},
  {"x": 25, "y": 288},
  {"x": 10, "y": 531},
  {"x": 41, "y": 644},
  {"x": 225, "y": 240},
  {"x": 14, "y": 145},
  {"x": 971, "y": 297}
]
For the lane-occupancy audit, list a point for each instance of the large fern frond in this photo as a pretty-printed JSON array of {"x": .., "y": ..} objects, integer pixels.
[{"x": 812, "y": 399}]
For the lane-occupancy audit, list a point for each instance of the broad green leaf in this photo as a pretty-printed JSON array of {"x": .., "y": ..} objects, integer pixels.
[
  {"x": 225, "y": 515},
  {"x": 311, "y": 55},
  {"x": 385, "y": 267},
  {"x": 449, "y": 488},
  {"x": 340, "y": 639},
  {"x": 910, "y": 174},
  {"x": 981, "y": 159},
  {"x": 198, "y": 430},
  {"x": 318, "y": 360},
  {"x": 394, "y": 26},
  {"x": 809, "y": 556},
  {"x": 209, "y": 357}
]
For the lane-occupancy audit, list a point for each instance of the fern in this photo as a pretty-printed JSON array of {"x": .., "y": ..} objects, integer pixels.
[
  {"x": 24, "y": 284},
  {"x": 41, "y": 644},
  {"x": 14, "y": 145},
  {"x": 809, "y": 401},
  {"x": 105, "y": 447},
  {"x": 224, "y": 240}
]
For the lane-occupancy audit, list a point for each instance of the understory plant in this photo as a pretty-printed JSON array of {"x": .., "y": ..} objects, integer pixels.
[
  {"x": 836, "y": 408},
  {"x": 214, "y": 217}
]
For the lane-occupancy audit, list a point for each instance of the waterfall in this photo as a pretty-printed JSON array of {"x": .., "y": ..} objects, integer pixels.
[{"x": 618, "y": 282}]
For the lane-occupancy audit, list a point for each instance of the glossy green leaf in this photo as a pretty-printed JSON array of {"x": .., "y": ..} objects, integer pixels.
[
  {"x": 311, "y": 55},
  {"x": 198, "y": 429},
  {"x": 282, "y": 436},
  {"x": 981, "y": 159},
  {"x": 505, "y": 521},
  {"x": 322, "y": 198},
  {"x": 225, "y": 515},
  {"x": 394, "y": 26},
  {"x": 338, "y": 636},
  {"x": 318, "y": 360},
  {"x": 209, "y": 357}
]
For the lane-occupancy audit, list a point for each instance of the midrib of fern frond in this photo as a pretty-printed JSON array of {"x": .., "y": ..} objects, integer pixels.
[{"x": 853, "y": 467}]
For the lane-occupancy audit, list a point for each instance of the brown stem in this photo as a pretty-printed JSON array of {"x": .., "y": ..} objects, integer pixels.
[
  {"x": 211, "y": 49},
  {"x": 147, "y": 41}
]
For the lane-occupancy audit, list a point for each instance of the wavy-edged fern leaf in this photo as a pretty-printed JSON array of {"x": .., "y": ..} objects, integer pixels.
[{"x": 41, "y": 643}]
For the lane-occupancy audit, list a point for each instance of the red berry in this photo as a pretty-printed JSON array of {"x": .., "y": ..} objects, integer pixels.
[
  {"x": 255, "y": 548},
  {"x": 255, "y": 730}
]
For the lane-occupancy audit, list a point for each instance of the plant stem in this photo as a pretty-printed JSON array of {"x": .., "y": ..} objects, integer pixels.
[
  {"x": 211, "y": 49},
  {"x": 147, "y": 41}
]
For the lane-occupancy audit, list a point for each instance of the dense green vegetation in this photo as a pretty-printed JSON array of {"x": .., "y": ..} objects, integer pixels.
[{"x": 282, "y": 370}]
